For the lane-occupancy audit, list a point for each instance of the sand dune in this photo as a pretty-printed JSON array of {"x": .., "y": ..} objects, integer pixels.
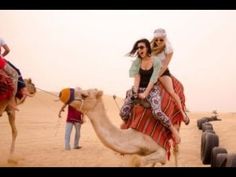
[{"x": 40, "y": 141}]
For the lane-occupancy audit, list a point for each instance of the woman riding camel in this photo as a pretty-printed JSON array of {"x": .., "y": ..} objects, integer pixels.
[
  {"x": 163, "y": 51},
  {"x": 145, "y": 70}
]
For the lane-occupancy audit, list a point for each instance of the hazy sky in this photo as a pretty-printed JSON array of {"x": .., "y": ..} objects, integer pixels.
[{"x": 87, "y": 48}]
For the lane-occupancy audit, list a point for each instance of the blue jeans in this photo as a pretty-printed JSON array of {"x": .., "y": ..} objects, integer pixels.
[{"x": 69, "y": 126}]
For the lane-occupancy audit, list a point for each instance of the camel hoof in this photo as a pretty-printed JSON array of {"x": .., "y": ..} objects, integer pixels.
[
  {"x": 163, "y": 162},
  {"x": 12, "y": 161},
  {"x": 135, "y": 161}
]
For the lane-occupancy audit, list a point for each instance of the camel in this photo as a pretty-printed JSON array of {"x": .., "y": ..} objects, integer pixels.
[
  {"x": 123, "y": 141},
  {"x": 11, "y": 113}
]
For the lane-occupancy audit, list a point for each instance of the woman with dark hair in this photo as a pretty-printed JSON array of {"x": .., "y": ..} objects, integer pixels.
[{"x": 145, "y": 70}]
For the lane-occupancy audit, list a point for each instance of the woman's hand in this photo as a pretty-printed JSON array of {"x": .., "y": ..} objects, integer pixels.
[{"x": 142, "y": 95}]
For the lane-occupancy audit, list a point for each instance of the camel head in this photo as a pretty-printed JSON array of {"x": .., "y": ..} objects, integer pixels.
[
  {"x": 84, "y": 100},
  {"x": 30, "y": 86}
]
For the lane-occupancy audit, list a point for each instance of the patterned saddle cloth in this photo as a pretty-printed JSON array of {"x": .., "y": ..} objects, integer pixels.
[
  {"x": 6, "y": 86},
  {"x": 142, "y": 119}
]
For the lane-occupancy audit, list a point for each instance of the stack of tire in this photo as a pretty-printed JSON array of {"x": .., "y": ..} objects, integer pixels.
[{"x": 211, "y": 153}]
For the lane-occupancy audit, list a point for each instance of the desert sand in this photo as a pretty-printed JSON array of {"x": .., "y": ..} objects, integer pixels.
[{"x": 40, "y": 140}]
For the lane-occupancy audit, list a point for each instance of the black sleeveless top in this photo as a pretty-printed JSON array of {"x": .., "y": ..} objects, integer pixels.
[{"x": 145, "y": 76}]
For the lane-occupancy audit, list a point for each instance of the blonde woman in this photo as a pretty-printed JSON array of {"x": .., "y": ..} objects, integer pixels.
[{"x": 162, "y": 49}]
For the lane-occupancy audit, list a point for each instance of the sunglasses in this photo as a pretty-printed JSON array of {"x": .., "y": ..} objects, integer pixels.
[
  {"x": 161, "y": 40},
  {"x": 140, "y": 47}
]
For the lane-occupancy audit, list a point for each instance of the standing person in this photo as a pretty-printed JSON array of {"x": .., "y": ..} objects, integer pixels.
[
  {"x": 162, "y": 49},
  {"x": 145, "y": 70},
  {"x": 74, "y": 118},
  {"x": 21, "y": 87}
]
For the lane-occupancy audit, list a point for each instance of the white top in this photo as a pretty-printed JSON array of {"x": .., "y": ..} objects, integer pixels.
[
  {"x": 167, "y": 50},
  {"x": 2, "y": 42}
]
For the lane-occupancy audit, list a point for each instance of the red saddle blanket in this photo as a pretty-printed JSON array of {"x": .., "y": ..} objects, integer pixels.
[
  {"x": 6, "y": 86},
  {"x": 142, "y": 119}
]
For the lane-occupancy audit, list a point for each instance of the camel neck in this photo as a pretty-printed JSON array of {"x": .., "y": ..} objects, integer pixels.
[{"x": 110, "y": 135}]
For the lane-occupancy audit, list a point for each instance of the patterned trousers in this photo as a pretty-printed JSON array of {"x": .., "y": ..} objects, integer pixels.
[{"x": 154, "y": 98}]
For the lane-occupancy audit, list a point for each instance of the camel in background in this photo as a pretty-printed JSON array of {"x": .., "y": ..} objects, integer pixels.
[{"x": 11, "y": 113}]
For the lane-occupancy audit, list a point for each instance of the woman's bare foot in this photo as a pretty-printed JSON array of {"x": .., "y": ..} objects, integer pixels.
[{"x": 185, "y": 118}]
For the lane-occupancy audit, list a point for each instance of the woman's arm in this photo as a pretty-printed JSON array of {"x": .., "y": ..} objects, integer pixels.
[
  {"x": 6, "y": 50},
  {"x": 134, "y": 72},
  {"x": 165, "y": 63},
  {"x": 136, "y": 83}
]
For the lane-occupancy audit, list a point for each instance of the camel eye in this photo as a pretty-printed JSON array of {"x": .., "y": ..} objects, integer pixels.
[{"x": 84, "y": 95}]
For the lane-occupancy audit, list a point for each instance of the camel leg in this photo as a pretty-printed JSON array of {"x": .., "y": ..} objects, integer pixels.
[
  {"x": 158, "y": 156},
  {"x": 176, "y": 154},
  {"x": 11, "y": 118},
  {"x": 176, "y": 148}
]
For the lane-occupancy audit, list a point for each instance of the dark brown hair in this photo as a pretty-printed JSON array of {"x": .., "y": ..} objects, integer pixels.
[{"x": 135, "y": 47}]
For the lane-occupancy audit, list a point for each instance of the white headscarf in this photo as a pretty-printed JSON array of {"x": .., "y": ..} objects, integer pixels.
[{"x": 160, "y": 32}]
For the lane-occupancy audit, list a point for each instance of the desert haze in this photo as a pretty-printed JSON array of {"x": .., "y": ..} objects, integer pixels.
[{"x": 40, "y": 140}]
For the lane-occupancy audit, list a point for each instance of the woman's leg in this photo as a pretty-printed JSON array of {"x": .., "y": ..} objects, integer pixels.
[
  {"x": 127, "y": 106},
  {"x": 21, "y": 83},
  {"x": 68, "y": 130},
  {"x": 154, "y": 99},
  {"x": 168, "y": 85},
  {"x": 77, "y": 135}
]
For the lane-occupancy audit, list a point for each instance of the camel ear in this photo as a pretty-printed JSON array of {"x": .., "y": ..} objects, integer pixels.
[
  {"x": 30, "y": 81},
  {"x": 99, "y": 93}
]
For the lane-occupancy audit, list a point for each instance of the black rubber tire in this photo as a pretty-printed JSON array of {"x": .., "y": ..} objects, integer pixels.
[
  {"x": 221, "y": 160},
  {"x": 210, "y": 131},
  {"x": 201, "y": 121},
  {"x": 207, "y": 126},
  {"x": 231, "y": 160},
  {"x": 214, "y": 152},
  {"x": 203, "y": 142},
  {"x": 211, "y": 141}
]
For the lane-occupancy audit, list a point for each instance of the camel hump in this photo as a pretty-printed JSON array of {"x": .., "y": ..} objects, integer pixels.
[{"x": 6, "y": 86}]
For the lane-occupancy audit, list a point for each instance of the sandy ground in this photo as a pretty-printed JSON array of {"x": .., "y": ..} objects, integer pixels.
[{"x": 40, "y": 141}]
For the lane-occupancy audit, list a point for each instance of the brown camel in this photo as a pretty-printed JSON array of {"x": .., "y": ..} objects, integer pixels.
[{"x": 12, "y": 114}]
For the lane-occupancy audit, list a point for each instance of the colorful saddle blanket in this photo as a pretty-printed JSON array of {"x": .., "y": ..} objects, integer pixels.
[{"x": 6, "y": 86}]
